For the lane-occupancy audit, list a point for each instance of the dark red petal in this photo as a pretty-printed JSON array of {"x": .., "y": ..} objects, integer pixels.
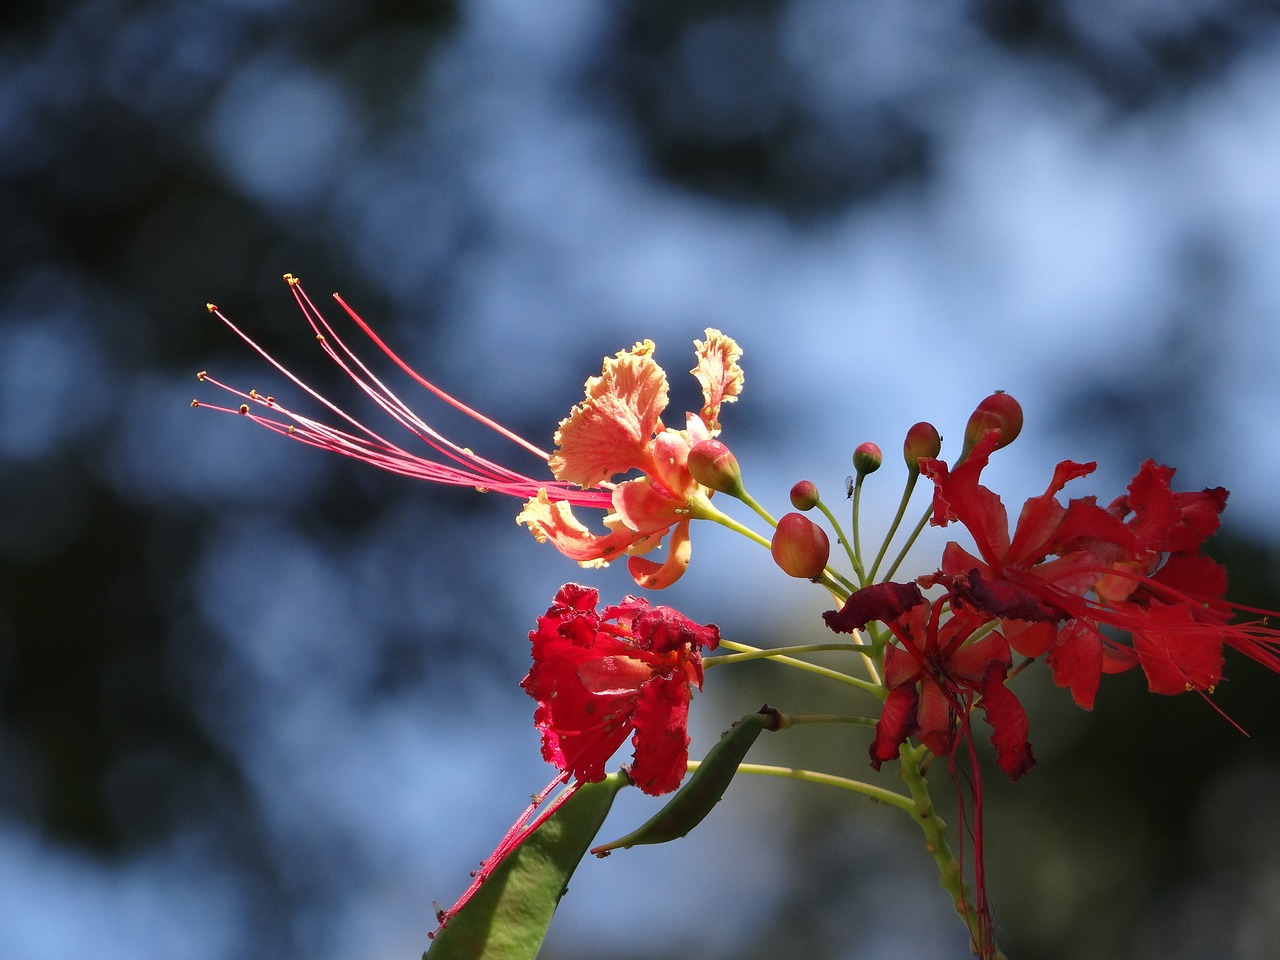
[
  {"x": 1151, "y": 500},
  {"x": 1197, "y": 518},
  {"x": 1009, "y": 725},
  {"x": 1030, "y": 639},
  {"x": 936, "y": 718},
  {"x": 882, "y": 601},
  {"x": 1040, "y": 522},
  {"x": 663, "y": 629},
  {"x": 574, "y": 596},
  {"x": 1002, "y": 599},
  {"x": 1177, "y": 652},
  {"x": 957, "y": 495},
  {"x": 897, "y": 722},
  {"x": 1193, "y": 576},
  {"x": 1076, "y": 661},
  {"x": 970, "y": 664},
  {"x": 661, "y": 739},
  {"x": 901, "y": 667}
]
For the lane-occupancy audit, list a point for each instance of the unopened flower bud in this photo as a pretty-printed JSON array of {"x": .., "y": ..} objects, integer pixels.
[
  {"x": 867, "y": 458},
  {"x": 997, "y": 412},
  {"x": 713, "y": 465},
  {"x": 804, "y": 495},
  {"x": 800, "y": 547},
  {"x": 923, "y": 440}
]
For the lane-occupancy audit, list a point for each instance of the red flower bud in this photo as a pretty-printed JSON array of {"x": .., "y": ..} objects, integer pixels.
[
  {"x": 997, "y": 412},
  {"x": 923, "y": 440},
  {"x": 800, "y": 547},
  {"x": 713, "y": 465},
  {"x": 867, "y": 458},
  {"x": 804, "y": 495}
]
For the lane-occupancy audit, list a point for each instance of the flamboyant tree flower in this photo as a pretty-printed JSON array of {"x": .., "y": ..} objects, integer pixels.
[
  {"x": 1065, "y": 573},
  {"x": 618, "y": 429},
  {"x": 936, "y": 674},
  {"x": 599, "y": 676},
  {"x": 941, "y": 668}
]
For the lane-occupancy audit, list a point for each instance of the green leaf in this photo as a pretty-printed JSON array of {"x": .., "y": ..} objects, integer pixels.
[
  {"x": 703, "y": 790},
  {"x": 508, "y": 917}
]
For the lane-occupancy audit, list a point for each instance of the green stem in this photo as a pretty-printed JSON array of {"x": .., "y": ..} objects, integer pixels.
[
  {"x": 854, "y": 555},
  {"x": 893, "y": 527},
  {"x": 760, "y": 653},
  {"x": 794, "y": 720},
  {"x": 757, "y": 653},
  {"x": 750, "y": 501},
  {"x": 934, "y": 827},
  {"x": 705, "y": 511},
  {"x": 902, "y": 554},
  {"x": 879, "y": 794},
  {"x": 857, "y": 538}
]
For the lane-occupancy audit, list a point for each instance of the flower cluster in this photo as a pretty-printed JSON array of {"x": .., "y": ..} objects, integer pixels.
[{"x": 1086, "y": 588}]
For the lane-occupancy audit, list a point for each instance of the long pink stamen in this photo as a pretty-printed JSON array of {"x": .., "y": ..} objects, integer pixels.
[{"x": 463, "y": 467}]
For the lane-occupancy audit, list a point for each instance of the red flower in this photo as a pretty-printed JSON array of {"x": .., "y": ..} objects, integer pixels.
[
  {"x": 599, "y": 676},
  {"x": 1065, "y": 573},
  {"x": 937, "y": 676}
]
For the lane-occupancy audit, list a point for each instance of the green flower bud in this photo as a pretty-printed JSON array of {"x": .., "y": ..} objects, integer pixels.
[{"x": 804, "y": 495}]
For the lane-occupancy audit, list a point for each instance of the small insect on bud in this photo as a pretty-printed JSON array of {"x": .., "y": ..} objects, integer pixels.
[
  {"x": 997, "y": 412},
  {"x": 800, "y": 547},
  {"x": 867, "y": 458},
  {"x": 804, "y": 495},
  {"x": 713, "y": 465},
  {"x": 923, "y": 440}
]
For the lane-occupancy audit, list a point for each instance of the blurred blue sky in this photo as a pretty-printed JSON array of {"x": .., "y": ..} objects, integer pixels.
[{"x": 894, "y": 208}]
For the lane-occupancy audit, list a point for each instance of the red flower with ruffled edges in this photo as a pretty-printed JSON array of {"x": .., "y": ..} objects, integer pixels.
[
  {"x": 937, "y": 675},
  {"x": 1066, "y": 572},
  {"x": 601, "y": 675}
]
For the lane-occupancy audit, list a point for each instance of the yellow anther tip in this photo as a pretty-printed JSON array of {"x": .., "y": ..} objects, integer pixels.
[
  {"x": 244, "y": 408},
  {"x": 211, "y": 307},
  {"x": 201, "y": 375},
  {"x": 291, "y": 280}
]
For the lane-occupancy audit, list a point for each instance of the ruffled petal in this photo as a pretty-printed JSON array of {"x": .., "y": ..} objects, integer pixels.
[
  {"x": 1009, "y": 724},
  {"x": 661, "y": 739},
  {"x": 718, "y": 372},
  {"x": 610, "y": 432},
  {"x": 882, "y": 601},
  {"x": 1076, "y": 661},
  {"x": 897, "y": 722}
]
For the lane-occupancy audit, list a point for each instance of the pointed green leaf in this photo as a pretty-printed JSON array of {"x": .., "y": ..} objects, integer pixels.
[
  {"x": 703, "y": 790},
  {"x": 508, "y": 917}
]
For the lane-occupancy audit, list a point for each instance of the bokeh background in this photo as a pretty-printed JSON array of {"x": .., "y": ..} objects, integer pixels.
[{"x": 260, "y": 702}]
